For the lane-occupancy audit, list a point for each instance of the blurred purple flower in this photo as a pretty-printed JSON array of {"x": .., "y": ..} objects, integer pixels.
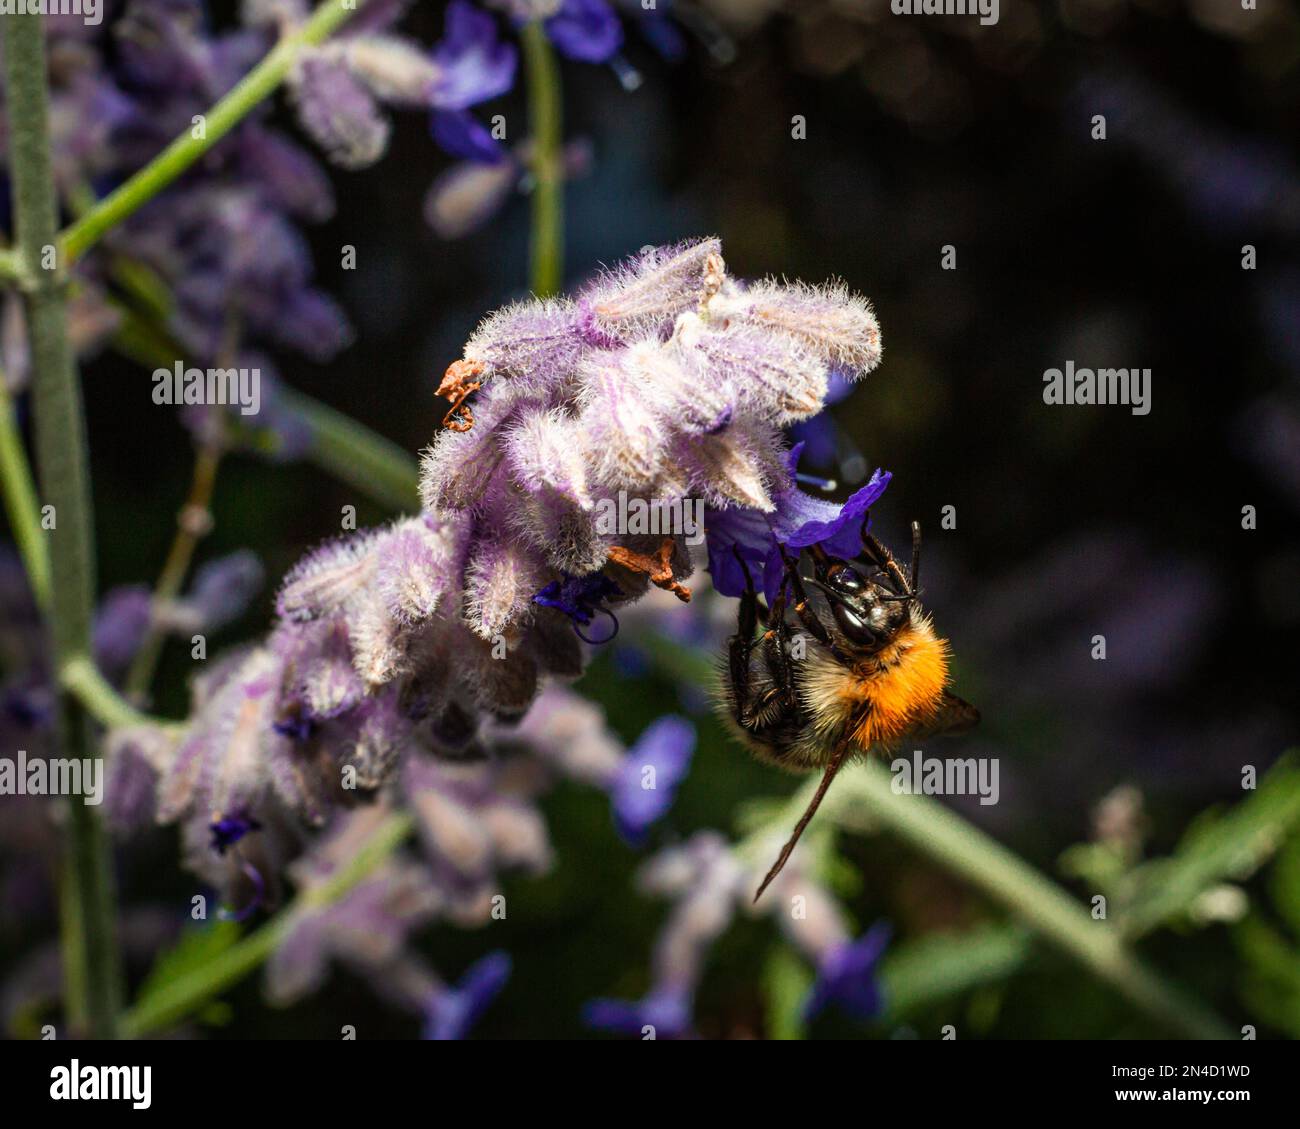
[
  {"x": 223, "y": 588},
  {"x": 585, "y": 30},
  {"x": 668, "y": 1012},
  {"x": 451, "y": 1012},
  {"x": 461, "y": 134},
  {"x": 473, "y": 67},
  {"x": 639, "y": 800},
  {"x": 468, "y": 194},
  {"x": 121, "y": 622},
  {"x": 847, "y": 977}
]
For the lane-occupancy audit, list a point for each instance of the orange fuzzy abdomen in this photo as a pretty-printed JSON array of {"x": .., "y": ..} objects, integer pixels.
[{"x": 904, "y": 684}]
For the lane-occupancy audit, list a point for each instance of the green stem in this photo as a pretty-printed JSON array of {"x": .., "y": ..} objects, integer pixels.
[
  {"x": 82, "y": 679},
  {"x": 60, "y": 435},
  {"x": 926, "y": 825},
  {"x": 185, "y": 995},
  {"x": 545, "y": 124},
  {"x": 11, "y": 267},
  {"x": 191, "y": 526},
  {"x": 258, "y": 84},
  {"x": 353, "y": 453},
  {"x": 20, "y": 500}
]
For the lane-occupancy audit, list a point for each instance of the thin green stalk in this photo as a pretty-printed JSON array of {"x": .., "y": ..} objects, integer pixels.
[
  {"x": 867, "y": 790},
  {"x": 191, "y": 526},
  {"x": 60, "y": 435},
  {"x": 20, "y": 500},
  {"x": 355, "y": 454},
  {"x": 183, "y": 996},
  {"x": 11, "y": 267},
  {"x": 82, "y": 679},
  {"x": 545, "y": 123},
  {"x": 258, "y": 84}
]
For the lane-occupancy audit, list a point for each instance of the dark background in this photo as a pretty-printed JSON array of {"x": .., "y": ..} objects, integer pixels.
[{"x": 1071, "y": 521}]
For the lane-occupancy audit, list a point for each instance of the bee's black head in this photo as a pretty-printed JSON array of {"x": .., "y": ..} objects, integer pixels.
[{"x": 867, "y": 610}]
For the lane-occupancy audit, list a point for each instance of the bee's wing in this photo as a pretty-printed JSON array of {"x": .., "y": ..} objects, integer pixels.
[{"x": 955, "y": 716}]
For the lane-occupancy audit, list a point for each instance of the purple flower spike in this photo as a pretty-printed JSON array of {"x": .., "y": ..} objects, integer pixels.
[
  {"x": 847, "y": 977},
  {"x": 229, "y": 829},
  {"x": 585, "y": 30},
  {"x": 474, "y": 65},
  {"x": 641, "y": 799},
  {"x": 666, "y": 1012},
  {"x": 451, "y": 1012}
]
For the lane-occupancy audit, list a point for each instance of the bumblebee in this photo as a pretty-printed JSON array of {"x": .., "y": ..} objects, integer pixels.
[{"x": 863, "y": 672}]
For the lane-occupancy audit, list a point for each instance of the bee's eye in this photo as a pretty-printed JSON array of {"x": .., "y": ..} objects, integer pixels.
[
  {"x": 846, "y": 579},
  {"x": 855, "y": 629}
]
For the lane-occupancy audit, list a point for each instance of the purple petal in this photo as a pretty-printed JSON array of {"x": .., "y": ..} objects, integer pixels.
[
  {"x": 475, "y": 66},
  {"x": 586, "y": 30},
  {"x": 839, "y": 535},
  {"x": 461, "y": 134},
  {"x": 667, "y": 1011},
  {"x": 666, "y": 747},
  {"x": 847, "y": 977},
  {"x": 452, "y": 1012}
]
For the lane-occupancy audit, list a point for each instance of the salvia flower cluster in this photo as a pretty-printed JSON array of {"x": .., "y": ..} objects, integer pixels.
[{"x": 405, "y": 666}]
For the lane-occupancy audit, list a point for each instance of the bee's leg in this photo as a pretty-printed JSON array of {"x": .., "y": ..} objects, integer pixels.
[
  {"x": 877, "y": 554},
  {"x": 741, "y": 648},
  {"x": 807, "y": 617},
  {"x": 776, "y": 652}
]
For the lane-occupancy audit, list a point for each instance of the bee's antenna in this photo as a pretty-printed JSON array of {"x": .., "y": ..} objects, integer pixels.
[
  {"x": 913, "y": 578},
  {"x": 832, "y": 767}
]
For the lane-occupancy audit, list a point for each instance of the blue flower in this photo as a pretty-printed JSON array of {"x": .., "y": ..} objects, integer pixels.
[
  {"x": 297, "y": 726},
  {"x": 847, "y": 977},
  {"x": 666, "y": 747},
  {"x": 474, "y": 66},
  {"x": 668, "y": 1011},
  {"x": 798, "y": 522},
  {"x": 229, "y": 829},
  {"x": 461, "y": 134},
  {"x": 586, "y": 30},
  {"x": 451, "y": 1012},
  {"x": 580, "y": 598},
  {"x": 820, "y": 434}
]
